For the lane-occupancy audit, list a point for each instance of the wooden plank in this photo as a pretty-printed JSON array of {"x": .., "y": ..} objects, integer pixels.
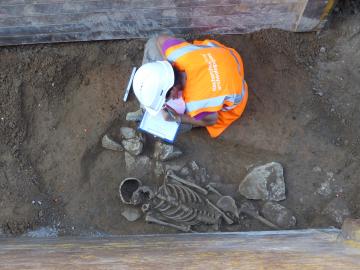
[
  {"x": 306, "y": 249},
  {"x": 137, "y": 14},
  {"x": 140, "y": 3},
  {"x": 131, "y": 29},
  {"x": 101, "y": 6},
  {"x": 212, "y": 22},
  {"x": 41, "y": 21}
]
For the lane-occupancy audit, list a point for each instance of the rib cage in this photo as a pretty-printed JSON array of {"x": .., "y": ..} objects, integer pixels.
[{"x": 180, "y": 204}]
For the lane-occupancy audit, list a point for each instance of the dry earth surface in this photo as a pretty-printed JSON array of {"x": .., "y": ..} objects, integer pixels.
[{"x": 57, "y": 101}]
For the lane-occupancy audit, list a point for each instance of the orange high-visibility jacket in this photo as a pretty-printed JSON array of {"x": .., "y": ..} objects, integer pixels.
[{"x": 214, "y": 81}]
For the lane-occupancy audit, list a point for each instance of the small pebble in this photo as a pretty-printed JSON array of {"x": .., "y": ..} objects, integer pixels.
[
  {"x": 317, "y": 169},
  {"x": 194, "y": 166},
  {"x": 319, "y": 93},
  {"x": 131, "y": 214}
]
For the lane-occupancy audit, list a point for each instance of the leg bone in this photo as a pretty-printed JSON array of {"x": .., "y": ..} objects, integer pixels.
[
  {"x": 171, "y": 174},
  {"x": 152, "y": 219},
  {"x": 255, "y": 215}
]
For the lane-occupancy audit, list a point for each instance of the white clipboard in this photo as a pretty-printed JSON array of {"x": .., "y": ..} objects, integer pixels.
[{"x": 159, "y": 127}]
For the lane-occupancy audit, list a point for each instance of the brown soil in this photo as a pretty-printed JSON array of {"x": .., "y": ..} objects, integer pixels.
[{"x": 58, "y": 100}]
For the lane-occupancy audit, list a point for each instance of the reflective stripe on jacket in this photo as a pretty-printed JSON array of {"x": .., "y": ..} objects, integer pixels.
[{"x": 214, "y": 81}]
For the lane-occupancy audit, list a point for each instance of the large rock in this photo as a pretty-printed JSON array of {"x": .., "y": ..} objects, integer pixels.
[
  {"x": 278, "y": 214},
  {"x": 133, "y": 142},
  {"x": 128, "y": 133},
  {"x": 165, "y": 152},
  {"x": 133, "y": 146},
  {"x": 264, "y": 182},
  {"x": 337, "y": 210},
  {"x": 110, "y": 144}
]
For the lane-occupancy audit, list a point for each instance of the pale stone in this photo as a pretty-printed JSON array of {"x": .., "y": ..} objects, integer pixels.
[
  {"x": 135, "y": 116},
  {"x": 128, "y": 133},
  {"x": 194, "y": 165},
  {"x": 133, "y": 146},
  {"x": 131, "y": 214},
  {"x": 110, "y": 144},
  {"x": 264, "y": 182},
  {"x": 324, "y": 189},
  {"x": 165, "y": 152}
]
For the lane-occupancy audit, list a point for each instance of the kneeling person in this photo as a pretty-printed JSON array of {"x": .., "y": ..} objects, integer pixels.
[{"x": 206, "y": 75}]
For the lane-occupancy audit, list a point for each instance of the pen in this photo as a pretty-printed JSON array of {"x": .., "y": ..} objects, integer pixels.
[{"x": 171, "y": 114}]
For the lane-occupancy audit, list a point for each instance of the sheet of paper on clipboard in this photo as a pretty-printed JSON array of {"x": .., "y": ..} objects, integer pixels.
[{"x": 159, "y": 127}]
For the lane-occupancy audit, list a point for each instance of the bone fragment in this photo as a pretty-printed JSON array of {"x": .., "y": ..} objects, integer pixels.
[
  {"x": 185, "y": 182},
  {"x": 213, "y": 190},
  {"x": 182, "y": 228}
]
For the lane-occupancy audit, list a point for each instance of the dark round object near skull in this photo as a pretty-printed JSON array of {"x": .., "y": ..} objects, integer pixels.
[{"x": 127, "y": 188}]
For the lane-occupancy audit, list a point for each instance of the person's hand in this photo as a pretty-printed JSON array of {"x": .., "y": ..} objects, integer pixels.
[{"x": 171, "y": 115}]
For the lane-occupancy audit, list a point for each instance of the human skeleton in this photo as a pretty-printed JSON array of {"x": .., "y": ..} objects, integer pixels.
[{"x": 177, "y": 203}]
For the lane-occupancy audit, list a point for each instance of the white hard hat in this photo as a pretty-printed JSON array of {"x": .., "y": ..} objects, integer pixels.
[{"x": 151, "y": 83}]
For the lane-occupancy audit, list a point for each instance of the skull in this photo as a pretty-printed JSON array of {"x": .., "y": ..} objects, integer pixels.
[{"x": 141, "y": 195}]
